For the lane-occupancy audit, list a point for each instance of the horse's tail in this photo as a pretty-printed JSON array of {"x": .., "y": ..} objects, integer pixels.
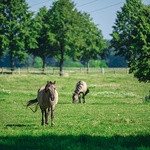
[{"x": 33, "y": 102}]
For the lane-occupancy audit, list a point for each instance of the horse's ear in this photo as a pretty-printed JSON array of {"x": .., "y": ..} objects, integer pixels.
[
  {"x": 54, "y": 82},
  {"x": 46, "y": 86}
]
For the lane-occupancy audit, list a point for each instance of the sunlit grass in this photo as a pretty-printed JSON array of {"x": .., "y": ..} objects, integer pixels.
[{"x": 114, "y": 116}]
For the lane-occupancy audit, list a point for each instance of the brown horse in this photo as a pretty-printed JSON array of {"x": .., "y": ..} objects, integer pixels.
[{"x": 47, "y": 99}]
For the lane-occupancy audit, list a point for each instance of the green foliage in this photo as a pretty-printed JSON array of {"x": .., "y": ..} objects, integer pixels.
[
  {"x": 113, "y": 60},
  {"x": 74, "y": 34},
  {"x": 60, "y": 32},
  {"x": 141, "y": 65},
  {"x": 43, "y": 29},
  {"x": 97, "y": 64},
  {"x": 37, "y": 62},
  {"x": 94, "y": 44},
  {"x": 70, "y": 63},
  {"x": 114, "y": 116},
  {"x": 131, "y": 37},
  {"x": 16, "y": 33},
  {"x": 64, "y": 22}
]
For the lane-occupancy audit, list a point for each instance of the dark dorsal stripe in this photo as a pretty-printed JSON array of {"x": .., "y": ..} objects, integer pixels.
[{"x": 79, "y": 87}]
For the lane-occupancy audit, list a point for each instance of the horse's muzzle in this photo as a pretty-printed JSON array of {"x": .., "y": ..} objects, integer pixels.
[{"x": 52, "y": 98}]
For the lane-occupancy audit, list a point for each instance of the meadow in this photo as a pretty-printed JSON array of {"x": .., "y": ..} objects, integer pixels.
[{"x": 115, "y": 115}]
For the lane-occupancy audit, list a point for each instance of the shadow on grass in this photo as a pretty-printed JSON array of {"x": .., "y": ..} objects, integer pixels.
[
  {"x": 81, "y": 142},
  {"x": 20, "y": 125}
]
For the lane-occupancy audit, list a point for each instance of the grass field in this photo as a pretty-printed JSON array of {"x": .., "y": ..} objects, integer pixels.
[{"x": 115, "y": 115}]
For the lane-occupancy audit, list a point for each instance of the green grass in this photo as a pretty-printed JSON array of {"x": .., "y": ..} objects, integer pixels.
[{"x": 115, "y": 115}]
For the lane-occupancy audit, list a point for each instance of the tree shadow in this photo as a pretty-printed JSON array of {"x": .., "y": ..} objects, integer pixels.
[{"x": 80, "y": 142}]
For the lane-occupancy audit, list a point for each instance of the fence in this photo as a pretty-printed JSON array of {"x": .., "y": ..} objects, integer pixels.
[{"x": 66, "y": 70}]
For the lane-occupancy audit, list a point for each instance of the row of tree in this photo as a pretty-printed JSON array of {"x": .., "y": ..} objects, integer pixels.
[
  {"x": 36, "y": 62},
  {"x": 59, "y": 32},
  {"x": 62, "y": 31}
]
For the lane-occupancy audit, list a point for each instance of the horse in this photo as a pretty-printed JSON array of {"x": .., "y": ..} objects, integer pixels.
[
  {"x": 47, "y": 98},
  {"x": 81, "y": 88}
]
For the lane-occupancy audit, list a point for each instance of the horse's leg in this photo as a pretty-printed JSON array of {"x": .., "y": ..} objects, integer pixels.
[
  {"x": 83, "y": 97},
  {"x": 46, "y": 117},
  {"x": 87, "y": 91},
  {"x": 80, "y": 98},
  {"x": 42, "y": 117},
  {"x": 52, "y": 115}
]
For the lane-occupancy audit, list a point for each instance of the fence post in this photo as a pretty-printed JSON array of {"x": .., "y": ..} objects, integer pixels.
[
  {"x": 103, "y": 71},
  {"x": 114, "y": 71},
  {"x": 53, "y": 71},
  {"x": 43, "y": 70},
  {"x": 2, "y": 70},
  {"x": 19, "y": 71},
  {"x": 127, "y": 71},
  {"x": 80, "y": 70}
]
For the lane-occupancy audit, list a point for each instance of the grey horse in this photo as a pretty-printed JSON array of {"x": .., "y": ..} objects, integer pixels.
[
  {"x": 47, "y": 98},
  {"x": 81, "y": 88}
]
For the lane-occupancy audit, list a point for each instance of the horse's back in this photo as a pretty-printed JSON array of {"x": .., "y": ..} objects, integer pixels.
[{"x": 83, "y": 86}]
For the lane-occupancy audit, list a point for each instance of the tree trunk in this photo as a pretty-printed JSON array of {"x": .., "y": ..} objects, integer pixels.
[
  {"x": 44, "y": 64},
  {"x": 61, "y": 61},
  {"x": 88, "y": 66},
  {"x": 61, "y": 68},
  {"x": 12, "y": 63}
]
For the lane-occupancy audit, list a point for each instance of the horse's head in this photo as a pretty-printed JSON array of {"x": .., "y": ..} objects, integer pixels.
[
  {"x": 50, "y": 89},
  {"x": 75, "y": 97}
]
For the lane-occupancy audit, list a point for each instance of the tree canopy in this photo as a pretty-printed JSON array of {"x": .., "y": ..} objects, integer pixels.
[
  {"x": 62, "y": 20},
  {"x": 131, "y": 37},
  {"x": 94, "y": 44},
  {"x": 16, "y": 34},
  {"x": 42, "y": 28},
  {"x": 60, "y": 31},
  {"x": 75, "y": 34}
]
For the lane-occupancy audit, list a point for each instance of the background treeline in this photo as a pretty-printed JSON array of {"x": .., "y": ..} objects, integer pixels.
[
  {"x": 62, "y": 35},
  {"x": 58, "y": 36},
  {"x": 110, "y": 60},
  {"x": 60, "y": 32}
]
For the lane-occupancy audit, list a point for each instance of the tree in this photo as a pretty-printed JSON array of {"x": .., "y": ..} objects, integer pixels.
[
  {"x": 94, "y": 44},
  {"x": 65, "y": 29},
  {"x": 16, "y": 34},
  {"x": 113, "y": 60},
  {"x": 97, "y": 64},
  {"x": 75, "y": 35},
  {"x": 141, "y": 36},
  {"x": 42, "y": 28},
  {"x": 131, "y": 37},
  {"x": 70, "y": 63}
]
